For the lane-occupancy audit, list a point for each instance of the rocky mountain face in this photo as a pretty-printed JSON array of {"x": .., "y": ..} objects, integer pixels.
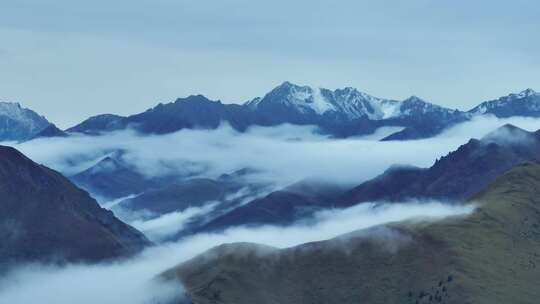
[
  {"x": 18, "y": 123},
  {"x": 45, "y": 218},
  {"x": 456, "y": 260}
]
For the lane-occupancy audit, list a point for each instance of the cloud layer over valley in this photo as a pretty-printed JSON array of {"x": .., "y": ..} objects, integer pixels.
[
  {"x": 132, "y": 281},
  {"x": 283, "y": 154}
]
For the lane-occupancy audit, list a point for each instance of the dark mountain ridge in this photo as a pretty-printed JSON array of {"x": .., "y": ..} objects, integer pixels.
[
  {"x": 455, "y": 176},
  {"x": 45, "y": 218}
]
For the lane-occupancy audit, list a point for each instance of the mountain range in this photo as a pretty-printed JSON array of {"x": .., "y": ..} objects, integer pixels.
[
  {"x": 489, "y": 256},
  {"x": 339, "y": 113}
]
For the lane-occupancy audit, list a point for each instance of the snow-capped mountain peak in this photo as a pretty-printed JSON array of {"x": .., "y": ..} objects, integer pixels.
[
  {"x": 347, "y": 102},
  {"x": 526, "y": 93},
  {"x": 414, "y": 99},
  {"x": 524, "y": 103},
  {"x": 12, "y": 110},
  {"x": 17, "y": 123},
  {"x": 355, "y": 104},
  {"x": 301, "y": 98}
]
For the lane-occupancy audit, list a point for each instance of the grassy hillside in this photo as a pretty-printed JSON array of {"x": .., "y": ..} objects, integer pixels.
[{"x": 491, "y": 256}]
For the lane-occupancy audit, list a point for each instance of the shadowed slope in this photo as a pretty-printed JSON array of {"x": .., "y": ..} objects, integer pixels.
[
  {"x": 44, "y": 217},
  {"x": 457, "y": 175}
]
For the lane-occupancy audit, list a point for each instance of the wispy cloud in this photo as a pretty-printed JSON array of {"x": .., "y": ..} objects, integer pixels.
[
  {"x": 284, "y": 154},
  {"x": 132, "y": 281}
]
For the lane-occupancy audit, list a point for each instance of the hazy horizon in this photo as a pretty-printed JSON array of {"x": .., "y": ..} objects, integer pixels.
[{"x": 73, "y": 60}]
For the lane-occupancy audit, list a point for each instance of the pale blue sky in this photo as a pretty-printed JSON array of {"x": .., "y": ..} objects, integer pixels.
[{"x": 71, "y": 59}]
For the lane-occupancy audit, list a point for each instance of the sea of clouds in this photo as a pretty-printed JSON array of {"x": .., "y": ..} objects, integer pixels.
[{"x": 283, "y": 154}]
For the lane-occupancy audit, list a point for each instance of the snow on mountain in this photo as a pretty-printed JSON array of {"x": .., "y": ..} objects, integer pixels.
[
  {"x": 341, "y": 113},
  {"x": 414, "y": 105},
  {"x": 18, "y": 123},
  {"x": 390, "y": 108},
  {"x": 524, "y": 103},
  {"x": 355, "y": 104},
  {"x": 303, "y": 99},
  {"x": 349, "y": 102}
]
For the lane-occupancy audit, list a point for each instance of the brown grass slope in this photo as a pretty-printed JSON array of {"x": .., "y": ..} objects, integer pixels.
[{"x": 491, "y": 256}]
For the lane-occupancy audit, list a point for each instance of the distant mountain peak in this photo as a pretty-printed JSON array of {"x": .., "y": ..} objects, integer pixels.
[
  {"x": 348, "y": 103},
  {"x": 195, "y": 98},
  {"x": 509, "y": 128},
  {"x": 18, "y": 123},
  {"x": 109, "y": 163},
  {"x": 526, "y": 93},
  {"x": 413, "y": 98},
  {"x": 303, "y": 99},
  {"x": 525, "y": 103},
  {"x": 289, "y": 85},
  {"x": 509, "y": 134},
  {"x": 415, "y": 105},
  {"x": 417, "y": 100}
]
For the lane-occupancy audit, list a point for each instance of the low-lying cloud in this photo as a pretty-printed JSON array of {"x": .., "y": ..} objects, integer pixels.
[
  {"x": 284, "y": 154},
  {"x": 164, "y": 226},
  {"x": 132, "y": 281}
]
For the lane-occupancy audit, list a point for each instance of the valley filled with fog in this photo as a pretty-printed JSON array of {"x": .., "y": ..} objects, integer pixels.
[{"x": 269, "y": 159}]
